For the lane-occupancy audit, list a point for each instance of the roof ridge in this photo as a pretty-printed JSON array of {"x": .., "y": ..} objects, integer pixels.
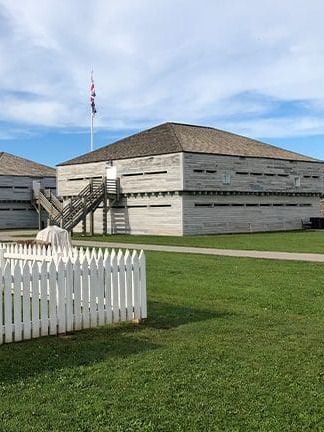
[{"x": 173, "y": 129}]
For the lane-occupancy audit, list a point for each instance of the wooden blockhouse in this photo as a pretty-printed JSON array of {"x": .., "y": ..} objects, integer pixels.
[
  {"x": 18, "y": 176},
  {"x": 178, "y": 179}
]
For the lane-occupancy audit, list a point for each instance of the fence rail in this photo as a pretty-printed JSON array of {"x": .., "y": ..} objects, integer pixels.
[{"x": 84, "y": 290}]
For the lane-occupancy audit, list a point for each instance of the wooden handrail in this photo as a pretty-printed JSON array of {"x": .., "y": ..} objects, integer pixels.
[{"x": 79, "y": 206}]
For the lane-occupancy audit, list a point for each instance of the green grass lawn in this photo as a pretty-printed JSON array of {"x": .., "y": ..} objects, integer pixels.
[
  {"x": 231, "y": 344},
  {"x": 296, "y": 241}
]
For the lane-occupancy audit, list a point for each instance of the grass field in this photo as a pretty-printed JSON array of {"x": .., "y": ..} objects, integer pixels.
[
  {"x": 297, "y": 241},
  {"x": 231, "y": 344}
]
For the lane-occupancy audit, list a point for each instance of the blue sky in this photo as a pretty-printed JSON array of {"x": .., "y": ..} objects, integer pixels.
[{"x": 255, "y": 68}]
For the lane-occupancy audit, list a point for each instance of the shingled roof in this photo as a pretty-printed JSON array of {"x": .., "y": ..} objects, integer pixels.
[
  {"x": 12, "y": 165},
  {"x": 176, "y": 137}
]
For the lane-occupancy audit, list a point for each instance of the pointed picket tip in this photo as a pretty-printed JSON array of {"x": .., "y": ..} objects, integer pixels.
[{"x": 134, "y": 254}]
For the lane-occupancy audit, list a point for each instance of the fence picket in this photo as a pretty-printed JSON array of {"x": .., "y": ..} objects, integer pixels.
[
  {"x": 69, "y": 295},
  {"x": 35, "y": 300},
  {"x": 114, "y": 286},
  {"x": 44, "y": 293},
  {"x": 7, "y": 303},
  {"x": 121, "y": 286},
  {"x": 61, "y": 297},
  {"x": 52, "y": 298},
  {"x": 142, "y": 278},
  {"x": 129, "y": 291},
  {"x": 26, "y": 300},
  {"x": 77, "y": 295},
  {"x": 93, "y": 283},
  {"x": 136, "y": 287},
  {"x": 17, "y": 302},
  {"x": 85, "y": 292},
  {"x": 107, "y": 290},
  {"x": 101, "y": 292}
]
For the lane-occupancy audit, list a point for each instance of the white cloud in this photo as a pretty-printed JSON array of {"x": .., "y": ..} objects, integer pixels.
[{"x": 163, "y": 60}]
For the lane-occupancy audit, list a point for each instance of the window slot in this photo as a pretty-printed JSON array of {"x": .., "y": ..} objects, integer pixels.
[
  {"x": 137, "y": 206},
  {"x": 203, "y": 205},
  {"x": 155, "y": 172},
  {"x": 160, "y": 205}
]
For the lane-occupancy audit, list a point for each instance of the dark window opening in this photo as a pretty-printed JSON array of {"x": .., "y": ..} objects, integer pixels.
[
  {"x": 160, "y": 205},
  {"x": 132, "y": 174},
  {"x": 137, "y": 206},
  {"x": 155, "y": 172},
  {"x": 203, "y": 205}
]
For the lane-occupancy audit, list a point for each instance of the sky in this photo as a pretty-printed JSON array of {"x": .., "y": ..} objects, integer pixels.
[{"x": 252, "y": 67}]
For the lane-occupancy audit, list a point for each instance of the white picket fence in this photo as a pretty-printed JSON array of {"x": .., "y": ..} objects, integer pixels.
[{"x": 47, "y": 292}]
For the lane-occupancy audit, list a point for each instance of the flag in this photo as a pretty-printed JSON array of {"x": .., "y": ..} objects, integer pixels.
[{"x": 92, "y": 96}]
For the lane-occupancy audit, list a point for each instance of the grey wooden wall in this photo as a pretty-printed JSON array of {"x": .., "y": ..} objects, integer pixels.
[
  {"x": 211, "y": 214},
  {"x": 151, "y": 174},
  {"x": 16, "y": 210},
  {"x": 207, "y": 172}
]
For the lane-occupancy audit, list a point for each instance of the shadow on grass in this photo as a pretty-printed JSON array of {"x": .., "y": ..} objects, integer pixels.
[
  {"x": 83, "y": 348},
  {"x": 88, "y": 347},
  {"x": 166, "y": 316}
]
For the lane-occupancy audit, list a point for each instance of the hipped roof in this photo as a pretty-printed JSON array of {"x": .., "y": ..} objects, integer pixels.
[
  {"x": 12, "y": 165},
  {"x": 175, "y": 137}
]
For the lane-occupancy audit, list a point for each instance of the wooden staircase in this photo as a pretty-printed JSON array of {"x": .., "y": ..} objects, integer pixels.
[{"x": 76, "y": 209}]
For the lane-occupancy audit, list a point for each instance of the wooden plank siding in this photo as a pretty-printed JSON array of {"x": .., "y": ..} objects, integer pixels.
[
  {"x": 206, "y": 172},
  {"x": 152, "y": 174},
  {"x": 16, "y": 210},
  {"x": 213, "y": 214}
]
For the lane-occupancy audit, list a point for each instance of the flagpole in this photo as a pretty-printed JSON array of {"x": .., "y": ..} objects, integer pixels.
[{"x": 91, "y": 132}]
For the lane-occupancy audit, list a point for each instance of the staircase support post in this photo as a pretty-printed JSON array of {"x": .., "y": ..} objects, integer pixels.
[
  {"x": 104, "y": 210},
  {"x": 84, "y": 220},
  {"x": 91, "y": 212},
  {"x": 39, "y": 215}
]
